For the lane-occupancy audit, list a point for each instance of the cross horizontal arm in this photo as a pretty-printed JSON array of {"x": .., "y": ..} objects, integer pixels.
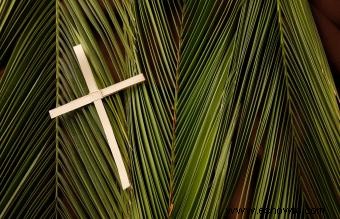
[
  {"x": 85, "y": 100},
  {"x": 122, "y": 85},
  {"x": 75, "y": 104}
]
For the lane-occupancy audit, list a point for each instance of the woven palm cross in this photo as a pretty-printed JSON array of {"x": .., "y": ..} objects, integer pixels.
[{"x": 95, "y": 96}]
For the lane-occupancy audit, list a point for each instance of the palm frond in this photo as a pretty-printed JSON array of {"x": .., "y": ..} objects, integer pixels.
[
  {"x": 209, "y": 64},
  {"x": 238, "y": 110},
  {"x": 87, "y": 175},
  {"x": 27, "y": 92}
]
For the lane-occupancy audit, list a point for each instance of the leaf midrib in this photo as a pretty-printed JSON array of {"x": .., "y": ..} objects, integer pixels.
[
  {"x": 283, "y": 52},
  {"x": 174, "y": 117}
]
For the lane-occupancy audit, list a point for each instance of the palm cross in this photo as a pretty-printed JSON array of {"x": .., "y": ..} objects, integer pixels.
[{"x": 95, "y": 96}]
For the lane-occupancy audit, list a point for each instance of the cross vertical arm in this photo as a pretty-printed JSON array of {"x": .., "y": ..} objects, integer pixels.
[{"x": 104, "y": 119}]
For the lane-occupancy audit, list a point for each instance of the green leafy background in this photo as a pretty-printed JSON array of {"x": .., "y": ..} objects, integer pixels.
[{"x": 239, "y": 109}]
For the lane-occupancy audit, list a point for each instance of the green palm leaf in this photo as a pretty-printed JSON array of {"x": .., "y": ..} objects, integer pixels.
[
  {"x": 96, "y": 191},
  {"x": 27, "y": 92},
  {"x": 238, "y": 110}
]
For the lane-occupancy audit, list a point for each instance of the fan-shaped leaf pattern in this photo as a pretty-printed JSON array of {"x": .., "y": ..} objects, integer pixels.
[{"x": 238, "y": 110}]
